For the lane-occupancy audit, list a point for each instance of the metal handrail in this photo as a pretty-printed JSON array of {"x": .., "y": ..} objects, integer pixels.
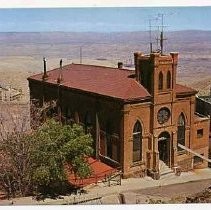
[{"x": 195, "y": 153}]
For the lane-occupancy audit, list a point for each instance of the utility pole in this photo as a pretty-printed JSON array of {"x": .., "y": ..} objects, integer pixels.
[{"x": 80, "y": 55}]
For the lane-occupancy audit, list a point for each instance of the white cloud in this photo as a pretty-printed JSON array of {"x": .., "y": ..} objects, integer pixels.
[{"x": 91, "y": 3}]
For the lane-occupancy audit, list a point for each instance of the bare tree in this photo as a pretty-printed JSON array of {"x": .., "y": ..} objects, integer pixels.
[
  {"x": 14, "y": 149},
  {"x": 39, "y": 113},
  {"x": 17, "y": 123},
  {"x": 33, "y": 152}
]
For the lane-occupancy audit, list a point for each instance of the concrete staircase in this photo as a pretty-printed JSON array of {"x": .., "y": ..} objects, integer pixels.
[{"x": 164, "y": 169}]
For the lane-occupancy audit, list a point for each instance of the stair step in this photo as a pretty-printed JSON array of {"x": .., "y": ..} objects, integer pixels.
[
  {"x": 164, "y": 169},
  {"x": 168, "y": 175},
  {"x": 166, "y": 172}
]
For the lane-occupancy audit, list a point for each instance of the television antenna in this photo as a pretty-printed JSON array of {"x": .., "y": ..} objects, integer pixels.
[
  {"x": 162, "y": 39},
  {"x": 151, "y": 20},
  {"x": 160, "y": 33}
]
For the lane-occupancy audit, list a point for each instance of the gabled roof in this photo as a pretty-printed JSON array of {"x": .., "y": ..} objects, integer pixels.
[
  {"x": 105, "y": 81},
  {"x": 111, "y": 82}
]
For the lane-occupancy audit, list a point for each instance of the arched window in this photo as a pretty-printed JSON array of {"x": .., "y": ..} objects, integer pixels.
[
  {"x": 137, "y": 142},
  {"x": 181, "y": 131},
  {"x": 168, "y": 82},
  {"x": 88, "y": 122},
  {"x": 160, "y": 82}
]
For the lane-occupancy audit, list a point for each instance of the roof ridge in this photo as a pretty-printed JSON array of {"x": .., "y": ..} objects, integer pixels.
[
  {"x": 133, "y": 81},
  {"x": 106, "y": 67}
]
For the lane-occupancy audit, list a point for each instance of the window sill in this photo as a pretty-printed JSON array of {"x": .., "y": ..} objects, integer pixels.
[
  {"x": 183, "y": 152},
  {"x": 199, "y": 137},
  {"x": 164, "y": 91},
  {"x": 138, "y": 163}
]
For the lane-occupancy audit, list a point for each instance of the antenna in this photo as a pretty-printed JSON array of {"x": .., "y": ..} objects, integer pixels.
[
  {"x": 80, "y": 55},
  {"x": 159, "y": 35},
  {"x": 157, "y": 39},
  {"x": 162, "y": 39},
  {"x": 150, "y": 35},
  {"x": 153, "y": 24}
]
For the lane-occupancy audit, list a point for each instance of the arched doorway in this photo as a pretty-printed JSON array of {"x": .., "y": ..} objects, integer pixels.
[{"x": 164, "y": 147}]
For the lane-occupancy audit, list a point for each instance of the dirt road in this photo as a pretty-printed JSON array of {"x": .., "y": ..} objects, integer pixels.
[{"x": 175, "y": 193}]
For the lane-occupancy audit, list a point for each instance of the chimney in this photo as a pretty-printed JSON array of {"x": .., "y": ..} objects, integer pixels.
[
  {"x": 120, "y": 65},
  {"x": 45, "y": 76},
  {"x": 60, "y": 78}
]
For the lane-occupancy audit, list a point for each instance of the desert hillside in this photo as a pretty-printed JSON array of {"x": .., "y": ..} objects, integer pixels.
[{"x": 21, "y": 53}]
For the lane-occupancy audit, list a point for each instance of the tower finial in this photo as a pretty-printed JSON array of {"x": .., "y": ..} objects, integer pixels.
[
  {"x": 45, "y": 76},
  {"x": 60, "y": 78},
  {"x": 60, "y": 63}
]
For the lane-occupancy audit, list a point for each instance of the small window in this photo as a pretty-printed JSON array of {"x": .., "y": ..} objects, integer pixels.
[
  {"x": 160, "y": 82},
  {"x": 197, "y": 160},
  {"x": 168, "y": 80},
  {"x": 200, "y": 133}
]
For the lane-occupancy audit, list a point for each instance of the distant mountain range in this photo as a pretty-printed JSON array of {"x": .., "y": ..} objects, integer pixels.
[{"x": 95, "y": 37}]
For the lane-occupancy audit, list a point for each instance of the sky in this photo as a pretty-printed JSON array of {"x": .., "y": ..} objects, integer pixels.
[{"x": 99, "y": 3}]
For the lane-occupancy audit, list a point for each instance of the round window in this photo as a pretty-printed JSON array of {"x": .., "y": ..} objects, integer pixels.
[{"x": 163, "y": 115}]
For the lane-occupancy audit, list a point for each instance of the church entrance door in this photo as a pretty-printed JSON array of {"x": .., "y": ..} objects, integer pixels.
[{"x": 164, "y": 147}]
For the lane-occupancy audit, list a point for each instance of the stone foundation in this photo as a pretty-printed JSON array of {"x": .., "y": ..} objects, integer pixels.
[{"x": 186, "y": 164}]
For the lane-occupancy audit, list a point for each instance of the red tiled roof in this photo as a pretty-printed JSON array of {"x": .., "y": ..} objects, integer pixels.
[
  {"x": 105, "y": 81},
  {"x": 99, "y": 172},
  {"x": 183, "y": 90}
]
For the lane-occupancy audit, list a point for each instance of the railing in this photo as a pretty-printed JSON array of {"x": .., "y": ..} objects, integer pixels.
[
  {"x": 105, "y": 176},
  {"x": 83, "y": 200},
  {"x": 113, "y": 179},
  {"x": 195, "y": 153}
]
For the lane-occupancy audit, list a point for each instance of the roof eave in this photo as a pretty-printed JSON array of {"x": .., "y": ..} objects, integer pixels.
[
  {"x": 194, "y": 92},
  {"x": 140, "y": 99},
  {"x": 124, "y": 100}
]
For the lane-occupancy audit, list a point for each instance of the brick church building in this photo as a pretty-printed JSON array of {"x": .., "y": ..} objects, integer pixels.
[{"x": 137, "y": 118}]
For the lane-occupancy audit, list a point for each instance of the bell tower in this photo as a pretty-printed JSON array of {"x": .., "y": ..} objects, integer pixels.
[{"x": 157, "y": 73}]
